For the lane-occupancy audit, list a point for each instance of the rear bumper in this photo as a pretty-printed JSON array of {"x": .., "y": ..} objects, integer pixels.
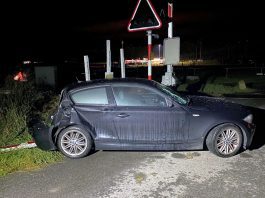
[{"x": 42, "y": 135}]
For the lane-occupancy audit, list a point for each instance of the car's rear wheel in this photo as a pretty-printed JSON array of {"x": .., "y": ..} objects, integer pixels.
[
  {"x": 74, "y": 142},
  {"x": 225, "y": 140}
]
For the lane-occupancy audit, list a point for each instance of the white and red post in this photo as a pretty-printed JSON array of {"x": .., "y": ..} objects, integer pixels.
[
  {"x": 149, "y": 35},
  {"x": 170, "y": 10},
  {"x": 170, "y": 27},
  {"x": 168, "y": 78}
]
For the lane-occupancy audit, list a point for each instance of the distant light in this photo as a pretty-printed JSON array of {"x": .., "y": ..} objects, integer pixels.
[
  {"x": 144, "y": 61},
  {"x": 157, "y": 61},
  {"x": 26, "y": 62},
  {"x": 21, "y": 76}
]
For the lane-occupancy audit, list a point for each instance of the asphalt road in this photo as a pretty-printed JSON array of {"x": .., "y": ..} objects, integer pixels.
[{"x": 144, "y": 174}]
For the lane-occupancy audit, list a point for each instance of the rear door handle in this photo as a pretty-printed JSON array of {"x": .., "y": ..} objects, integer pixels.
[{"x": 123, "y": 115}]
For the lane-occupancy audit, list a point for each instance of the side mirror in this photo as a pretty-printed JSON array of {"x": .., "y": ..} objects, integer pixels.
[{"x": 170, "y": 103}]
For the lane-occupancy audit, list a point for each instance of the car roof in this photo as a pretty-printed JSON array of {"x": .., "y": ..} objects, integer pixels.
[{"x": 80, "y": 85}]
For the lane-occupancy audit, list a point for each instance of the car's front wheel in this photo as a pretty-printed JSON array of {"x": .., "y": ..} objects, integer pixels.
[
  {"x": 74, "y": 142},
  {"x": 225, "y": 140}
]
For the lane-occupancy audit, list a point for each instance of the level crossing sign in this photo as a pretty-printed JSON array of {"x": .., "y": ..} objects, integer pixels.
[{"x": 144, "y": 17}]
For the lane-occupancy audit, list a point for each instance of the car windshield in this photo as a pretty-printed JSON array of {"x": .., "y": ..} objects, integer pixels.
[{"x": 176, "y": 96}]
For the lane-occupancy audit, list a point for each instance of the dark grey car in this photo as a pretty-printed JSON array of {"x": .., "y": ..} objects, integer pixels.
[{"x": 137, "y": 114}]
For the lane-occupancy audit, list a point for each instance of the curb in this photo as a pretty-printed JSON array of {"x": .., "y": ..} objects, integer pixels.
[{"x": 29, "y": 144}]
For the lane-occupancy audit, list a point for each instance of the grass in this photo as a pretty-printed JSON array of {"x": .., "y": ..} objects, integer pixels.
[
  {"x": 220, "y": 85},
  {"x": 16, "y": 109},
  {"x": 219, "y": 89},
  {"x": 26, "y": 159},
  {"x": 235, "y": 79},
  {"x": 183, "y": 87},
  {"x": 48, "y": 109},
  {"x": 13, "y": 127}
]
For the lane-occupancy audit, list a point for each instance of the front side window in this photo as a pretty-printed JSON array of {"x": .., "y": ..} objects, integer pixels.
[
  {"x": 137, "y": 96},
  {"x": 93, "y": 96}
]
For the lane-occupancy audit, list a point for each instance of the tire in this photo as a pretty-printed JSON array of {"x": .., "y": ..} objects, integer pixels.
[
  {"x": 74, "y": 142},
  {"x": 225, "y": 140}
]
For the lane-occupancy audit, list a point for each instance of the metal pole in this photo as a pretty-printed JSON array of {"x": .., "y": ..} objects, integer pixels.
[
  {"x": 87, "y": 70},
  {"x": 108, "y": 73},
  {"x": 108, "y": 56},
  {"x": 168, "y": 78},
  {"x": 200, "y": 50},
  {"x": 170, "y": 27},
  {"x": 149, "y": 34},
  {"x": 196, "y": 56},
  {"x": 159, "y": 50},
  {"x": 122, "y": 63}
]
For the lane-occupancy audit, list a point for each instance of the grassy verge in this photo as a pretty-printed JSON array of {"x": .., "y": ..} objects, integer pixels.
[
  {"x": 220, "y": 89},
  {"x": 26, "y": 159},
  {"x": 16, "y": 109},
  {"x": 219, "y": 85}
]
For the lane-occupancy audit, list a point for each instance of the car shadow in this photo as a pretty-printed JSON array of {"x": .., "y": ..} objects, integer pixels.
[
  {"x": 259, "y": 137},
  {"x": 92, "y": 152}
]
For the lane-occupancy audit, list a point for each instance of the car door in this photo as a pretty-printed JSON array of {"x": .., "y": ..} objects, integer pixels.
[
  {"x": 142, "y": 115},
  {"x": 92, "y": 111}
]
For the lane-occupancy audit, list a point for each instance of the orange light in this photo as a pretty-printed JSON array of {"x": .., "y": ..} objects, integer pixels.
[{"x": 21, "y": 76}]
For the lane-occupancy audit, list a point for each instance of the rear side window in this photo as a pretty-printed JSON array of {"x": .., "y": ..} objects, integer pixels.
[{"x": 94, "y": 96}]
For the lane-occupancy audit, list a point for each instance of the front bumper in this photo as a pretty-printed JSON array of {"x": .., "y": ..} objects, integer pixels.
[
  {"x": 42, "y": 135},
  {"x": 250, "y": 132},
  {"x": 252, "y": 128}
]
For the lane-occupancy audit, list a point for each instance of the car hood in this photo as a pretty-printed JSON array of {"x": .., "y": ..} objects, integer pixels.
[{"x": 216, "y": 105}]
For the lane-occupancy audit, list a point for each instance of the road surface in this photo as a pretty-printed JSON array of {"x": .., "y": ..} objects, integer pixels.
[{"x": 144, "y": 174}]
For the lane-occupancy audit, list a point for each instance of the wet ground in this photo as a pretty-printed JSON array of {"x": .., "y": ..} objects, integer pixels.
[{"x": 144, "y": 174}]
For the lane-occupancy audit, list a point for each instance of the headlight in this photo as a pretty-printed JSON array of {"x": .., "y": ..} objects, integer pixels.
[{"x": 249, "y": 119}]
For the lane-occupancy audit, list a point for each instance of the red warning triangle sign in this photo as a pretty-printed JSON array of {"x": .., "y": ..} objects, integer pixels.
[{"x": 144, "y": 17}]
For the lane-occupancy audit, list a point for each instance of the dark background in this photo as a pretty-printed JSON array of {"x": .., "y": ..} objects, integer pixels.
[{"x": 55, "y": 31}]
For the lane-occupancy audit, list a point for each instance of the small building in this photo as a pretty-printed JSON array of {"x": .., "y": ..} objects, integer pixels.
[{"x": 46, "y": 75}]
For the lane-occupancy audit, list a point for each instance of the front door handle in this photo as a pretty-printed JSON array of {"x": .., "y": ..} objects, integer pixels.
[
  {"x": 123, "y": 115},
  {"x": 107, "y": 109}
]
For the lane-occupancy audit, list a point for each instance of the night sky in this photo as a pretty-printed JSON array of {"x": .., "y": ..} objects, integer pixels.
[{"x": 58, "y": 30}]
